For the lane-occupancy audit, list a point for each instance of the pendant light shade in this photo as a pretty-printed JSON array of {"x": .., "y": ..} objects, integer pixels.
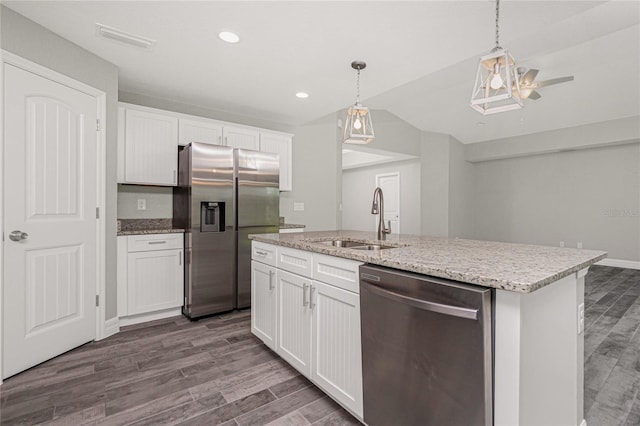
[
  {"x": 497, "y": 84},
  {"x": 358, "y": 128}
]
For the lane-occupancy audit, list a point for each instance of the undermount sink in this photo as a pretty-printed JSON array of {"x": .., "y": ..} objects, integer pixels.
[{"x": 355, "y": 245}]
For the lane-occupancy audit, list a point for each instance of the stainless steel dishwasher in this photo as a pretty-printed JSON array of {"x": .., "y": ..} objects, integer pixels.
[{"x": 426, "y": 350}]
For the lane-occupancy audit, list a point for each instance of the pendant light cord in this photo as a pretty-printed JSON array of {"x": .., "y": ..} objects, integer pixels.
[
  {"x": 358, "y": 87},
  {"x": 497, "y": 23}
]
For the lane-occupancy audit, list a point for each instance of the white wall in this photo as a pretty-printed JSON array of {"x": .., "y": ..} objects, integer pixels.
[
  {"x": 37, "y": 44},
  {"x": 590, "y": 196},
  {"x": 434, "y": 188},
  {"x": 357, "y": 194}
]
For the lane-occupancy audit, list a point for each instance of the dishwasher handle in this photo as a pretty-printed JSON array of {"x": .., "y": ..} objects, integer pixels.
[{"x": 455, "y": 311}]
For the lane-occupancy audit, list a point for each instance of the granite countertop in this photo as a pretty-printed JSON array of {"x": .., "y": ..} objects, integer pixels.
[
  {"x": 291, "y": 226},
  {"x": 146, "y": 226},
  {"x": 515, "y": 267}
]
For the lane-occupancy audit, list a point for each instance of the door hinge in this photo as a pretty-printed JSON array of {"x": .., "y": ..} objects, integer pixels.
[
  {"x": 97, "y": 212},
  {"x": 97, "y": 300},
  {"x": 97, "y": 125}
]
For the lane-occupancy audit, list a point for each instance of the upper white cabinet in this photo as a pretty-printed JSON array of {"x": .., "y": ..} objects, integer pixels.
[
  {"x": 241, "y": 137},
  {"x": 280, "y": 144},
  {"x": 147, "y": 147},
  {"x": 148, "y": 139},
  {"x": 199, "y": 131}
]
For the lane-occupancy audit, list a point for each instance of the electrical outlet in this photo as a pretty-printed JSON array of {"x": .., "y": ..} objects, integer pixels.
[
  {"x": 579, "y": 245},
  {"x": 561, "y": 243},
  {"x": 142, "y": 204},
  {"x": 298, "y": 207},
  {"x": 580, "y": 318}
]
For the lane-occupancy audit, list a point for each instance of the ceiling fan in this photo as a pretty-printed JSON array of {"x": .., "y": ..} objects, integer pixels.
[{"x": 528, "y": 85}]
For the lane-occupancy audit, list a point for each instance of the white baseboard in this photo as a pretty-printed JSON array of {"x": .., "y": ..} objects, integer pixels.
[
  {"x": 111, "y": 326},
  {"x": 137, "y": 319},
  {"x": 620, "y": 263}
]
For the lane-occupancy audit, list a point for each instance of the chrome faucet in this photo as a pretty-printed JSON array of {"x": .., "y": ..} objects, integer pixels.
[{"x": 377, "y": 207}]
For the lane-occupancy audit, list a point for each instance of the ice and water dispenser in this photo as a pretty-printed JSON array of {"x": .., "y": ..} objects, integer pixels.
[{"x": 212, "y": 216}]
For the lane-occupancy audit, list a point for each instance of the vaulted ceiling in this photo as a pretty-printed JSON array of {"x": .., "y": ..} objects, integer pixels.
[{"x": 421, "y": 56}]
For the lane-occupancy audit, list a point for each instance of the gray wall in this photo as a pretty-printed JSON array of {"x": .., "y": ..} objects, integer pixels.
[
  {"x": 357, "y": 193},
  {"x": 461, "y": 188},
  {"x": 32, "y": 41},
  {"x": 316, "y": 176},
  {"x": 158, "y": 199},
  {"x": 590, "y": 196},
  {"x": 434, "y": 187}
]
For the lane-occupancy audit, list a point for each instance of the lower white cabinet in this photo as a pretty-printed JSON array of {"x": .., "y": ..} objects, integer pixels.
[
  {"x": 294, "y": 321},
  {"x": 263, "y": 302},
  {"x": 150, "y": 274},
  {"x": 317, "y": 324},
  {"x": 336, "y": 361}
]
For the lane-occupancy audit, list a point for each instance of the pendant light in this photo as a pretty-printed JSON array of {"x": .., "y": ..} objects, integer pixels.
[
  {"x": 358, "y": 128},
  {"x": 497, "y": 85}
]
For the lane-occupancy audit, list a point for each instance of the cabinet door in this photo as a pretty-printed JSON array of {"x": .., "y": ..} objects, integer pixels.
[
  {"x": 150, "y": 143},
  {"x": 335, "y": 344},
  {"x": 263, "y": 303},
  {"x": 281, "y": 145},
  {"x": 239, "y": 137},
  {"x": 294, "y": 321},
  {"x": 155, "y": 280},
  {"x": 199, "y": 131}
]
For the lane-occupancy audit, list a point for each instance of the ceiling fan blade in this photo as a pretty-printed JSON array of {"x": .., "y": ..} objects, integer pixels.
[
  {"x": 551, "y": 82},
  {"x": 529, "y": 76},
  {"x": 534, "y": 95}
]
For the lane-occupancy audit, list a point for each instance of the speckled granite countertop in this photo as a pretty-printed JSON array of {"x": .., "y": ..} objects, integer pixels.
[
  {"x": 291, "y": 226},
  {"x": 146, "y": 226},
  {"x": 514, "y": 267}
]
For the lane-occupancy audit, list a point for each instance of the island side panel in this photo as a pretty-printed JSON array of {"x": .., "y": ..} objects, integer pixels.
[{"x": 539, "y": 358}]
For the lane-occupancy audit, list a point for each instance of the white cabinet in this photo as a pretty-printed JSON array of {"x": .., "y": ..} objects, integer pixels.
[
  {"x": 278, "y": 143},
  {"x": 208, "y": 131},
  {"x": 150, "y": 275},
  {"x": 241, "y": 137},
  {"x": 263, "y": 301},
  {"x": 294, "y": 321},
  {"x": 317, "y": 323},
  {"x": 147, "y": 146},
  {"x": 336, "y": 362}
]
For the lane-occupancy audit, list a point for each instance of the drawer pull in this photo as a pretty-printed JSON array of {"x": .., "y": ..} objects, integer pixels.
[
  {"x": 157, "y": 242},
  {"x": 261, "y": 253}
]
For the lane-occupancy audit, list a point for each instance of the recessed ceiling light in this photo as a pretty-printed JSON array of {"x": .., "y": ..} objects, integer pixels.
[
  {"x": 229, "y": 37},
  {"x": 302, "y": 95}
]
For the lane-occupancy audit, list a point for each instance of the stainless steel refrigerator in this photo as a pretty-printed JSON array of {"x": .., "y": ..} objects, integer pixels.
[{"x": 223, "y": 195}]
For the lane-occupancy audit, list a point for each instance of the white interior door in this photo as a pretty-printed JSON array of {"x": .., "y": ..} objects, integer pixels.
[
  {"x": 50, "y": 157},
  {"x": 390, "y": 184}
]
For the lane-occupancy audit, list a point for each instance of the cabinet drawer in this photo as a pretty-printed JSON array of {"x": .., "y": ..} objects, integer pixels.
[
  {"x": 297, "y": 261},
  {"x": 151, "y": 242},
  {"x": 342, "y": 273},
  {"x": 265, "y": 253}
]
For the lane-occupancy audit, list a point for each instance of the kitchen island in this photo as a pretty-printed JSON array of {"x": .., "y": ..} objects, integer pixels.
[{"x": 538, "y": 336}]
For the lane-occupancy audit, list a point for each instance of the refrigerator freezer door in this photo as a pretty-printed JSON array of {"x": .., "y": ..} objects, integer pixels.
[
  {"x": 244, "y": 261},
  {"x": 210, "y": 275},
  {"x": 258, "y": 188}
]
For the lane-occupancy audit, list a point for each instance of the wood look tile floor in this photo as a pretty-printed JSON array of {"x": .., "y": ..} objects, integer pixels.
[
  {"x": 208, "y": 372},
  {"x": 214, "y": 371}
]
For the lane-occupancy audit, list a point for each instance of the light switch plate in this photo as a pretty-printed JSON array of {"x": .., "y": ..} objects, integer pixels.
[
  {"x": 142, "y": 204},
  {"x": 298, "y": 207}
]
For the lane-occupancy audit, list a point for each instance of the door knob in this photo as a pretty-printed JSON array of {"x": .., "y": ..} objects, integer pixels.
[{"x": 18, "y": 236}]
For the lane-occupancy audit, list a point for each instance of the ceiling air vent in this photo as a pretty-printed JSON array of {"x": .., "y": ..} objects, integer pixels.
[{"x": 124, "y": 37}]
